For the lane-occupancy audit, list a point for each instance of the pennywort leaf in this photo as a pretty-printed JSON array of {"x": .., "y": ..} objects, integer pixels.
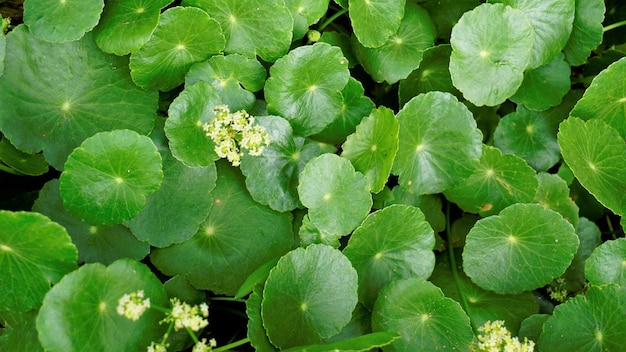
[
  {"x": 61, "y": 21},
  {"x": 387, "y": 15},
  {"x": 586, "y": 32}
]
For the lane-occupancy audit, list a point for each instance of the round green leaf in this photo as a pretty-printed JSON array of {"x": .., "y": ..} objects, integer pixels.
[
  {"x": 34, "y": 253},
  {"x": 432, "y": 74},
  {"x": 355, "y": 106},
  {"x": 605, "y": 99},
  {"x": 80, "y": 310},
  {"x": 103, "y": 244},
  {"x": 554, "y": 194},
  {"x": 272, "y": 177},
  {"x": 607, "y": 263},
  {"x": 305, "y": 87},
  {"x": 191, "y": 109},
  {"x": 309, "y": 295},
  {"x": 336, "y": 195},
  {"x": 372, "y": 148},
  {"x": 238, "y": 236},
  {"x": 19, "y": 333},
  {"x": 482, "y": 305},
  {"x": 522, "y": 248},
  {"x": 107, "y": 179},
  {"x": 552, "y": 23},
  {"x": 385, "y": 14},
  {"x": 24, "y": 163},
  {"x": 162, "y": 62},
  {"x": 61, "y": 20},
  {"x": 499, "y": 181},
  {"x": 587, "y": 31},
  {"x": 126, "y": 25},
  {"x": 424, "y": 318},
  {"x": 403, "y": 51},
  {"x": 252, "y": 27},
  {"x": 393, "y": 243},
  {"x": 174, "y": 213},
  {"x": 39, "y": 110},
  {"x": 598, "y": 166},
  {"x": 592, "y": 322},
  {"x": 528, "y": 134},
  {"x": 545, "y": 86},
  {"x": 491, "y": 48},
  {"x": 439, "y": 144}
]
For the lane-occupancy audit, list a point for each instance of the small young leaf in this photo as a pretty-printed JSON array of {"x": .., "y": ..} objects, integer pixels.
[
  {"x": 554, "y": 194},
  {"x": 607, "y": 263},
  {"x": 61, "y": 21}
]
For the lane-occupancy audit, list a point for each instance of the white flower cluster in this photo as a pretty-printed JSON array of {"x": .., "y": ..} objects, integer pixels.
[
  {"x": 202, "y": 346},
  {"x": 233, "y": 132},
  {"x": 157, "y": 347},
  {"x": 185, "y": 316},
  {"x": 133, "y": 305},
  {"x": 495, "y": 337}
]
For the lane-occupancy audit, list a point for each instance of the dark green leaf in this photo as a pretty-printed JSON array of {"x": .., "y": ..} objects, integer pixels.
[
  {"x": 61, "y": 21},
  {"x": 545, "y": 86},
  {"x": 586, "y": 32},
  {"x": 24, "y": 163},
  {"x": 18, "y": 333},
  {"x": 607, "y": 263},
  {"x": 356, "y": 344}
]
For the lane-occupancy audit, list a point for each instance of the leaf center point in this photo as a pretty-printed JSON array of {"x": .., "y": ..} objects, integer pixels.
[{"x": 6, "y": 248}]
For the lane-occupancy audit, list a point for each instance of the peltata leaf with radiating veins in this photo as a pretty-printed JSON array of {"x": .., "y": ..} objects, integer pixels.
[
  {"x": 587, "y": 31},
  {"x": 35, "y": 253},
  {"x": 336, "y": 195},
  {"x": 125, "y": 25},
  {"x": 425, "y": 319},
  {"x": 309, "y": 295},
  {"x": 39, "y": 111},
  {"x": 402, "y": 52},
  {"x": 491, "y": 47},
  {"x": 439, "y": 143},
  {"x": 107, "y": 179},
  {"x": 387, "y": 16},
  {"x": 599, "y": 166},
  {"x": 373, "y": 147},
  {"x": 305, "y": 87},
  {"x": 592, "y": 322},
  {"x": 81, "y": 310},
  {"x": 605, "y": 99},
  {"x": 61, "y": 21},
  {"x": 499, "y": 180},
  {"x": 552, "y": 22},
  {"x": 607, "y": 263},
  {"x": 252, "y": 28},
  {"x": 162, "y": 62},
  {"x": 522, "y": 248},
  {"x": 238, "y": 236}
]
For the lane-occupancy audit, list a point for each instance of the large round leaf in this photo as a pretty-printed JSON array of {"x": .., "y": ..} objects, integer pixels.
[
  {"x": 252, "y": 27},
  {"x": 499, "y": 180},
  {"x": 39, "y": 110},
  {"x": 61, "y": 20},
  {"x": 102, "y": 244},
  {"x": 34, "y": 253},
  {"x": 237, "y": 237},
  {"x": 439, "y": 143},
  {"x": 174, "y": 213},
  {"x": 191, "y": 109},
  {"x": 162, "y": 62},
  {"x": 127, "y": 24},
  {"x": 587, "y": 31},
  {"x": 598, "y": 166},
  {"x": 272, "y": 177},
  {"x": 545, "y": 86},
  {"x": 491, "y": 48},
  {"x": 528, "y": 134},
  {"x": 393, "y": 243},
  {"x": 522, "y": 248},
  {"x": 425, "y": 319},
  {"x": 373, "y": 147},
  {"x": 385, "y": 14},
  {"x": 305, "y": 87},
  {"x": 552, "y": 23},
  {"x": 607, "y": 263},
  {"x": 80, "y": 310},
  {"x": 309, "y": 295},
  {"x": 107, "y": 179},
  {"x": 336, "y": 195},
  {"x": 403, "y": 51},
  {"x": 605, "y": 99},
  {"x": 593, "y": 322}
]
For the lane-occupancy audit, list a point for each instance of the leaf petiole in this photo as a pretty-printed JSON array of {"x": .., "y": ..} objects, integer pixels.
[{"x": 614, "y": 25}]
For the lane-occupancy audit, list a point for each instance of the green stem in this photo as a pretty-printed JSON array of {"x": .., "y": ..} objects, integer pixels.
[
  {"x": 614, "y": 25},
  {"x": 9, "y": 170},
  {"x": 330, "y": 19},
  {"x": 232, "y": 345},
  {"x": 229, "y": 299},
  {"x": 453, "y": 267},
  {"x": 610, "y": 226}
]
